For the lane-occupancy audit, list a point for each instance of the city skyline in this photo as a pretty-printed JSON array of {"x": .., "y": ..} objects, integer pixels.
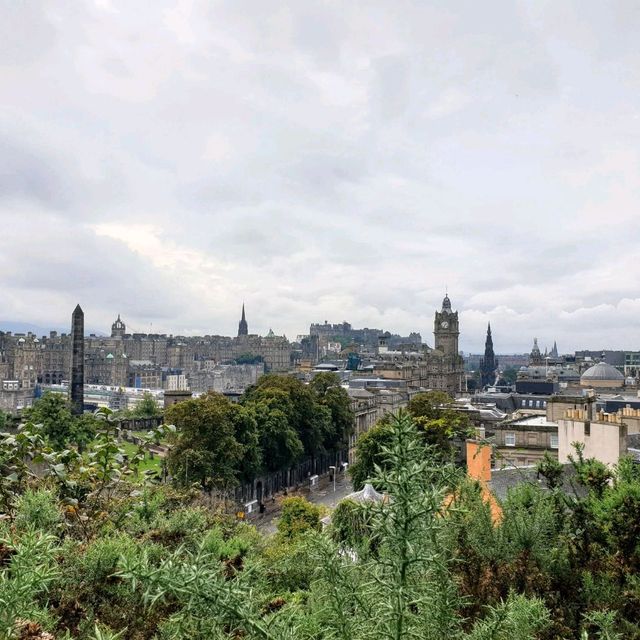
[
  {"x": 38, "y": 330},
  {"x": 324, "y": 162}
]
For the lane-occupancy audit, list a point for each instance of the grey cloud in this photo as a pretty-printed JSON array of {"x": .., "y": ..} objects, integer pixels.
[{"x": 324, "y": 161}]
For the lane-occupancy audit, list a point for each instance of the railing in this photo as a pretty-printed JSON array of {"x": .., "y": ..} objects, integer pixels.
[{"x": 297, "y": 476}]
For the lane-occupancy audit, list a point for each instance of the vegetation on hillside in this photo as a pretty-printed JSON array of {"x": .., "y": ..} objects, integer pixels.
[{"x": 92, "y": 548}]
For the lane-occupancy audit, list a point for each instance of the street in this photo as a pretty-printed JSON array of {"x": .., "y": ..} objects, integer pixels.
[{"x": 323, "y": 494}]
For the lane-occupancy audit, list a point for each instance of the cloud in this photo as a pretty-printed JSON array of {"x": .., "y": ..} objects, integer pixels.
[{"x": 318, "y": 161}]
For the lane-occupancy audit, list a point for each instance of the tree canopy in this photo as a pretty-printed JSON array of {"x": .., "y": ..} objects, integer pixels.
[
  {"x": 212, "y": 438},
  {"x": 59, "y": 426},
  {"x": 92, "y": 550}
]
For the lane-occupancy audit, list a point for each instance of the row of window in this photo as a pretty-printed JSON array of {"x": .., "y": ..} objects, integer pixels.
[
  {"x": 510, "y": 439},
  {"x": 538, "y": 404}
]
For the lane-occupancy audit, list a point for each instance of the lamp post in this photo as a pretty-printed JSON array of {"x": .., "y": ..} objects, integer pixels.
[{"x": 333, "y": 473}]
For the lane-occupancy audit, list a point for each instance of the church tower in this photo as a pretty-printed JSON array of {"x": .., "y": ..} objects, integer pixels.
[
  {"x": 118, "y": 328},
  {"x": 535, "y": 358},
  {"x": 243, "y": 328},
  {"x": 488, "y": 364},
  {"x": 446, "y": 329}
]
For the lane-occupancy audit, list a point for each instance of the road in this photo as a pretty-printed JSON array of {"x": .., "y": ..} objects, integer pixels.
[{"x": 322, "y": 495}]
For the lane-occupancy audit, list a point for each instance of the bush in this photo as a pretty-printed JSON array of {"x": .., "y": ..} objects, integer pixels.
[
  {"x": 351, "y": 524},
  {"x": 38, "y": 509},
  {"x": 298, "y": 516}
]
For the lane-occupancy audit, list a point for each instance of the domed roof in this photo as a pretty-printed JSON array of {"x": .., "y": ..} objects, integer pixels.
[{"x": 601, "y": 371}]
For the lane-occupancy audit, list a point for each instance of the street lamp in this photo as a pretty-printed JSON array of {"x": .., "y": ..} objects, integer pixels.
[{"x": 333, "y": 473}]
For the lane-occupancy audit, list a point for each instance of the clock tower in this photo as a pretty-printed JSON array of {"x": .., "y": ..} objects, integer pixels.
[{"x": 446, "y": 329}]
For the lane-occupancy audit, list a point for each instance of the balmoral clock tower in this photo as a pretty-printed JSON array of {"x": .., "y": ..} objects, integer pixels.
[{"x": 446, "y": 329}]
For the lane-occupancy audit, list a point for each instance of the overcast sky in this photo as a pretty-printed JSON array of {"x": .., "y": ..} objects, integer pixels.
[{"x": 324, "y": 160}]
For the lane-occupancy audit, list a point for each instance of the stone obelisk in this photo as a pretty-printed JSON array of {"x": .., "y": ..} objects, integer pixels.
[{"x": 77, "y": 361}]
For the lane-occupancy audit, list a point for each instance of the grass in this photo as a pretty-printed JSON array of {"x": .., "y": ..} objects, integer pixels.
[{"x": 154, "y": 464}]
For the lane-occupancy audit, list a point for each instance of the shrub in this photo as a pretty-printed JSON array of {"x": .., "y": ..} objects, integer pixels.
[
  {"x": 298, "y": 516},
  {"x": 37, "y": 509}
]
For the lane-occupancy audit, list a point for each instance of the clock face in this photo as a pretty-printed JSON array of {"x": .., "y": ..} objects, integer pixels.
[{"x": 444, "y": 324}]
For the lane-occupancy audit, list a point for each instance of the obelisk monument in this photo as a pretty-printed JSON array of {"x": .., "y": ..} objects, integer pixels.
[{"x": 77, "y": 361}]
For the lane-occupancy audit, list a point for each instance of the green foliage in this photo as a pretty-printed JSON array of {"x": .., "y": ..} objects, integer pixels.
[
  {"x": 429, "y": 404},
  {"x": 518, "y": 617},
  {"x": 510, "y": 375},
  {"x": 147, "y": 407},
  {"x": 280, "y": 444},
  {"x": 331, "y": 395},
  {"x": 297, "y": 517},
  {"x": 318, "y": 421},
  {"x": 602, "y": 625},
  {"x": 89, "y": 548},
  {"x": 617, "y": 513},
  {"x": 351, "y": 525},
  {"x": 27, "y": 570},
  {"x": 437, "y": 422},
  {"x": 590, "y": 472},
  {"x": 551, "y": 470},
  {"x": 371, "y": 453},
  {"x": 206, "y": 449},
  {"x": 249, "y": 358},
  {"x": 38, "y": 509},
  {"x": 59, "y": 427}
]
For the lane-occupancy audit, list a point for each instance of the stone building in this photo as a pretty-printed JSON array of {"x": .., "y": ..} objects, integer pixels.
[
  {"x": 56, "y": 358},
  {"x": 602, "y": 376},
  {"x": 536, "y": 358},
  {"x": 440, "y": 368},
  {"x": 605, "y": 436},
  {"x": 523, "y": 441}
]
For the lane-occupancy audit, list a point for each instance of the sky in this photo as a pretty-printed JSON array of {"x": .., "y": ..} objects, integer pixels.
[{"x": 324, "y": 161}]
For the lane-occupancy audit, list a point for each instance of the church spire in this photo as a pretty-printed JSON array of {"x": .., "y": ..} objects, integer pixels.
[
  {"x": 488, "y": 364},
  {"x": 243, "y": 328}
]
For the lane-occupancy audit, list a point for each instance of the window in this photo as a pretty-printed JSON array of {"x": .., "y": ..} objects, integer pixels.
[
  {"x": 553, "y": 440},
  {"x": 524, "y": 403},
  {"x": 509, "y": 439}
]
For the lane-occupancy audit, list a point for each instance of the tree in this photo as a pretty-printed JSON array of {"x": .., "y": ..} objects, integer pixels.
[
  {"x": 206, "y": 447},
  {"x": 371, "y": 452},
  {"x": 147, "y": 407},
  {"x": 330, "y": 394},
  {"x": 59, "y": 426},
  {"x": 351, "y": 524},
  {"x": 551, "y": 470},
  {"x": 249, "y": 358},
  {"x": 510, "y": 374},
  {"x": 302, "y": 411},
  {"x": 590, "y": 472},
  {"x": 437, "y": 421},
  {"x": 429, "y": 404},
  {"x": 279, "y": 442},
  {"x": 298, "y": 516}
]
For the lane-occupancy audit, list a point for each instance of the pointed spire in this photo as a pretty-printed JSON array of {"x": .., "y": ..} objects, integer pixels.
[{"x": 243, "y": 328}]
